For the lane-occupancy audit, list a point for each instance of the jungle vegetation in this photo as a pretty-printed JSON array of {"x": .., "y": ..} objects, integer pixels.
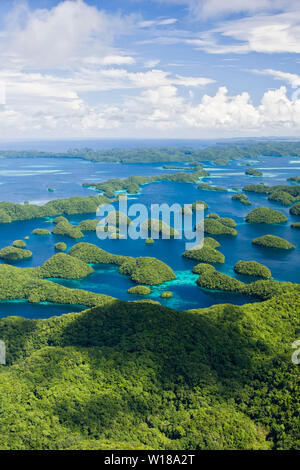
[
  {"x": 272, "y": 241},
  {"x": 12, "y": 253},
  {"x": 19, "y": 244},
  {"x": 264, "y": 215},
  {"x": 143, "y": 270},
  {"x": 60, "y": 246},
  {"x": 40, "y": 231},
  {"x": 141, "y": 376},
  {"x": 252, "y": 268},
  {"x": 68, "y": 230},
  {"x": 139, "y": 290},
  {"x": 243, "y": 198}
]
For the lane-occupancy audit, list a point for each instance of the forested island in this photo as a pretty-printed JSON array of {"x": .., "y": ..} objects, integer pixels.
[{"x": 220, "y": 154}]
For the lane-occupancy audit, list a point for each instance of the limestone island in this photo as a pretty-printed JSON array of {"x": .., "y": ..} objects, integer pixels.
[
  {"x": 60, "y": 246},
  {"x": 264, "y": 215},
  {"x": 252, "y": 268},
  {"x": 19, "y": 244},
  {"x": 253, "y": 172},
  {"x": 40, "y": 231},
  {"x": 272, "y": 241},
  {"x": 11, "y": 253},
  {"x": 139, "y": 290}
]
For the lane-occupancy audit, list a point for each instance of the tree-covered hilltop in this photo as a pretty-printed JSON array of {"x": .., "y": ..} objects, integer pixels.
[
  {"x": 10, "y": 212},
  {"x": 12, "y": 253},
  {"x": 219, "y": 226},
  {"x": 264, "y": 215},
  {"x": 206, "y": 253},
  {"x": 143, "y": 270},
  {"x": 40, "y": 231},
  {"x": 60, "y": 246},
  {"x": 138, "y": 375},
  {"x": 243, "y": 198},
  {"x": 68, "y": 230},
  {"x": 285, "y": 194},
  {"x": 295, "y": 210},
  {"x": 252, "y": 268},
  {"x": 146, "y": 270},
  {"x": 65, "y": 266},
  {"x": 92, "y": 254},
  {"x": 272, "y": 241},
  {"x": 27, "y": 284},
  {"x": 88, "y": 225},
  {"x": 139, "y": 290},
  {"x": 210, "y": 278}
]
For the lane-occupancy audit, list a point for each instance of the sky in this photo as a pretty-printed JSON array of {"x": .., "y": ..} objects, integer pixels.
[{"x": 192, "y": 69}]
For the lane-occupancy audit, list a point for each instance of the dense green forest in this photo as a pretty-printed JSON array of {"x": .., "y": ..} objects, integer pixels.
[
  {"x": 141, "y": 376},
  {"x": 220, "y": 154}
]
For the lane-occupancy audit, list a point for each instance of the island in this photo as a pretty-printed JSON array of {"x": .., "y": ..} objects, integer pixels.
[
  {"x": 60, "y": 246},
  {"x": 11, "y": 253},
  {"x": 68, "y": 230},
  {"x": 166, "y": 295},
  {"x": 142, "y": 270},
  {"x": 40, "y": 231},
  {"x": 88, "y": 225},
  {"x": 139, "y": 290},
  {"x": 253, "y": 172},
  {"x": 150, "y": 271},
  {"x": 252, "y": 268},
  {"x": 264, "y": 215},
  {"x": 243, "y": 198},
  {"x": 19, "y": 244},
  {"x": 66, "y": 267},
  {"x": 208, "y": 187},
  {"x": 217, "y": 226},
  {"x": 207, "y": 254},
  {"x": 295, "y": 210},
  {"x": 272, "y": 241}
]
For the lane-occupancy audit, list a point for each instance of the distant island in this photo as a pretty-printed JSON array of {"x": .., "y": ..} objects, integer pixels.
[{"x": 218, "y": 154}]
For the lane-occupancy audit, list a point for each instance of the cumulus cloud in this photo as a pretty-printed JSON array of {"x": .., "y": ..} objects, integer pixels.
[
  {"x": 161, "y": 109},
  {"x": 61, "y": 36}
]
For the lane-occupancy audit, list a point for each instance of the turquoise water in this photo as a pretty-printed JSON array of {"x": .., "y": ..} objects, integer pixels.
[
  {"x": 24, "y": 309},
  {"x": 67, "y": 176}
]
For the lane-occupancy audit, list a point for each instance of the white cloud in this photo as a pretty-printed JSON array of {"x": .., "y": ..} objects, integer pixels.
[
  {"x": 109, "y": 60},
  {"x": 158, "y": 109},
  {"x": 61, "y": 36},
  {"x": 290, "y": 78},
  {"x": 278, "y": 33},
  {"x": 150, "y": 64},
  {"x": 158, "y": 22}
]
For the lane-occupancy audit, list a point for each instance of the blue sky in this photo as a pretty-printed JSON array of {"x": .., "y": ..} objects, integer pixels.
[{"x": 149, "y": 68}]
